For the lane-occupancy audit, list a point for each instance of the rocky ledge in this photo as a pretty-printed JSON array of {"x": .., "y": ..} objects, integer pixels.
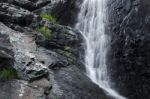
[{"x": 40, "y": 59}]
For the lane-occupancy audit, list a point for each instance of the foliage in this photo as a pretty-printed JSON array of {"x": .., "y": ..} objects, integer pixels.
[
  {"x": 7, "y": 73},
  {"x": 67, "y": 48},
  {"x": 45, "y": 31},
  {"x": 48, "y": 17}
]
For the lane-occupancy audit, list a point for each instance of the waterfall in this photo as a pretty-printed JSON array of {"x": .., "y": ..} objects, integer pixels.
[{"x": 91, "y": 22}]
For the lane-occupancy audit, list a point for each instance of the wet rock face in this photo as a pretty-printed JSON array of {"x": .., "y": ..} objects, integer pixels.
[
  {"x": 68, "y": 80},
  {"x": 128, "y": 25}
]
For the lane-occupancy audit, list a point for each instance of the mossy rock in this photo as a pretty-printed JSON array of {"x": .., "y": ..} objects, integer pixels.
[
  {"x": 7, "y": 73},
  {"x": 45, "y": 31},
  {"x": 67, "y": 48},
  {"x": 48, "y": 17}
]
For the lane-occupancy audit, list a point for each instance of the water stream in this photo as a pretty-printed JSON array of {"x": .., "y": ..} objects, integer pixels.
[{"x": 91, "y": 22}]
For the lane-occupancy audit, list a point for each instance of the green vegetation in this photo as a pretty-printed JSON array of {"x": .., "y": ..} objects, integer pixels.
[
  {"x": 67, "y": 54},
  {"x": 48, "y": 17},
  {"x": 53, "y": 97},
  {"x": 7, "y": 73},
  {"x": 45, "y": 31},
  {"x": 67, "y": 48}
]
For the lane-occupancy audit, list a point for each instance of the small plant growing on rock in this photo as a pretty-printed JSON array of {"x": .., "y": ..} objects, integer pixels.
[
  {"x": 7, "y": 73},
  {"x": 67, "y": 48},
  {"x": 48, "y": 17},
  {"x": 45, "y": 31}
]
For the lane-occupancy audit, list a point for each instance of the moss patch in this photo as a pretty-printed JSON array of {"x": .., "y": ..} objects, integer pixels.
[
  {"x": 45, "y": 31},
  {"x": 48, "y": 17},
  {"x": 7, "y": 73},
  {"x": 67, "y": 48}
]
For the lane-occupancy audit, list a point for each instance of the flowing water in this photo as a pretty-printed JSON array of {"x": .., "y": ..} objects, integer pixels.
[{"x": 91, "y": 22}]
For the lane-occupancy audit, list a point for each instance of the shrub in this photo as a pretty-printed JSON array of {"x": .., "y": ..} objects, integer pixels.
[
  {"x": 45, "y": 31},
  {"x": 48, "y": 17},
  {"x": 7, "y": 73}
]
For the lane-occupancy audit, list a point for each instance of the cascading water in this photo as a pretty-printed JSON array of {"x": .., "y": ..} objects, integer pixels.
[{"x": 91, "y": 22}]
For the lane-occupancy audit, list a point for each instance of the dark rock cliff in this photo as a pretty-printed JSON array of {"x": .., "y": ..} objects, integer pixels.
[
  {"x": 129, "y": 27},
  {"x": 42, "y": 59}
]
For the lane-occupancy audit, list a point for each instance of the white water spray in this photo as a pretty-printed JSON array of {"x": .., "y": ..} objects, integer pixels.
[{"x": 91, "y": 21}]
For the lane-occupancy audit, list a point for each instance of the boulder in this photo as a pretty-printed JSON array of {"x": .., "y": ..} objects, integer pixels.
[
  {"x": 25, "y": 61},
  {"x": 14, "y": 14}
]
